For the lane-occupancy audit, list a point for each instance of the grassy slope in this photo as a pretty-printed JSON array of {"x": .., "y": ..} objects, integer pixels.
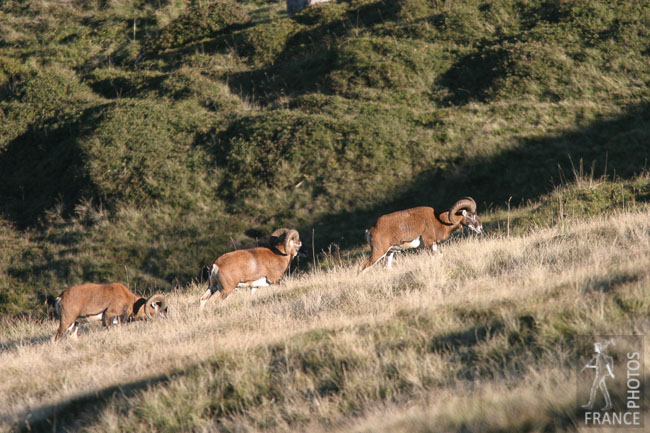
[
  {"x": 481, "y": 339},
  {"x": 140, "y": 139}
]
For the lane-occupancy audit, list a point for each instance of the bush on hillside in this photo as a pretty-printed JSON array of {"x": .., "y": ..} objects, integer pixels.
[
  {"x": 48, "y": 93},
  {"x": 316, "y": 160},
  {"x": 265, "y": 42},
  {"x": 386, "y": 63},
  {"x": 188, "y": 82},
  {"x": 201, "y": 20},
  {"x": 322, "y": 13},
  {"x": 140, "y": 152}
]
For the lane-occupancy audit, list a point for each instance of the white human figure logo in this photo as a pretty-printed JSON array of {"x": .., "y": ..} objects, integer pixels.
[{"x": 603, "y": 366}]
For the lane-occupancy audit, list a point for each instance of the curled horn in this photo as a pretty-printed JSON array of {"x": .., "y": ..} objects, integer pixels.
[
  {"x": 284, "y": 234},
  {"x": 291, "y": 235},
  {"x": 276, "y": 237},
  {"x": 153, "y": 299},
  {"x": 464, "y": 203}
]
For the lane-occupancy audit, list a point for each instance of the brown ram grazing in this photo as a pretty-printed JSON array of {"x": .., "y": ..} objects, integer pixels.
[
  {"x": 254, "y": 267},
  {"x": 108, "y": 302},
  {"x": 408, "y": 228}
]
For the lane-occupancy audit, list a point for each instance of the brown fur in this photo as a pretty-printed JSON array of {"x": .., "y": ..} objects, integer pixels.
[
  {"x": 112, "y": 300},
  {"x": 399, "y": 228},
  {"x": 246, "y": 266}
]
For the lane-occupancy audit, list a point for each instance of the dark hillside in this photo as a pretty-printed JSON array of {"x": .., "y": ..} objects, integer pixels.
[{"x": 138, "y": 140}]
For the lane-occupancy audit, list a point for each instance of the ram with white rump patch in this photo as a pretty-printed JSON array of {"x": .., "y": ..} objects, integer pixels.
[
  {"x": 109, "y": 302},
  {"x": 254, "y": 267},
  {"x": 411, "y": 227}
]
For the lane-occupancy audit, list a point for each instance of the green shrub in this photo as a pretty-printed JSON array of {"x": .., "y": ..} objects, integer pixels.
[
  {"x": 322, "y": 13},
  {"x": 51, "y": 92},
  {"x": 190, "y": 82},
  {"x": 289, "y": 160},
  {"x": 201, "y": 20},
  {"x": 141, "y": 152},
  {"x": 535, "y": 69},
  {"x": 412, "y": 10},
  {"x": 12, "y": 71},
  {"x": 386, "y": 63},
  {"x": 265, "y": 42}
]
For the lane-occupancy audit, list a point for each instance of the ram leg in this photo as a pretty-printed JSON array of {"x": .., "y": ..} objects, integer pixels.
[
  {"x": 114, "y": 316},
  {"x": 64, "y": 326},
  {"x": 431, "y": 245},
  {"x": 223, "y": 288},
  {"x": 107, "y": 320},
  {"x": 213, "y": 285},
  {"x": 376, "y": 255},
  {"x": 389, "y": 260},
  {"x": 205, "y": 297},
  {"x": 75, "y": 329},
  {"x": 227, "y": 290},
  {"x": 434, "y": 249}
]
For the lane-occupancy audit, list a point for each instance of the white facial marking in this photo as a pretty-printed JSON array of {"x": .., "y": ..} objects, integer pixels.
[{"x": 478, "y": 229}]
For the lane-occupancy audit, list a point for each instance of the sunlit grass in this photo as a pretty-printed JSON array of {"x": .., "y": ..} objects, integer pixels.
[{"x": 494, "y": 313}]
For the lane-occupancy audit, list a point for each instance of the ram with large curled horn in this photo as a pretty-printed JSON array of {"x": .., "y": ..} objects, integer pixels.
[
  {"x": 254, "y": 267},
  {"x": 109, "y": 302},
  {"x": 421, "y": 225}
]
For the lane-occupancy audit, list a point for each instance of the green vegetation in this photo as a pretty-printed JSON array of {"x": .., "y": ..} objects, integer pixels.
[
  {"x": 140, "y": 139},
  {"x": 485, "y": 339}
]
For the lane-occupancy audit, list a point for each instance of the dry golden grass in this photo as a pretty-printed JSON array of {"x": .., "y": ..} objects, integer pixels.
[{"x": 481, "y": 339}]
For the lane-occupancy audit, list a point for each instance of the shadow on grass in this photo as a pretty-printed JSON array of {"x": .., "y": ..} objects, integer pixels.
[
  {"x": 309, "y": 55},
  {"x": 467, "y": 338},
  {"x": 76, "y": 412},
  {"x": 528, "y": 171},
  {"x": 33, "y": 341},
  {"x": 84, "y": 410},
  {"x": 45, "y": 167}
]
